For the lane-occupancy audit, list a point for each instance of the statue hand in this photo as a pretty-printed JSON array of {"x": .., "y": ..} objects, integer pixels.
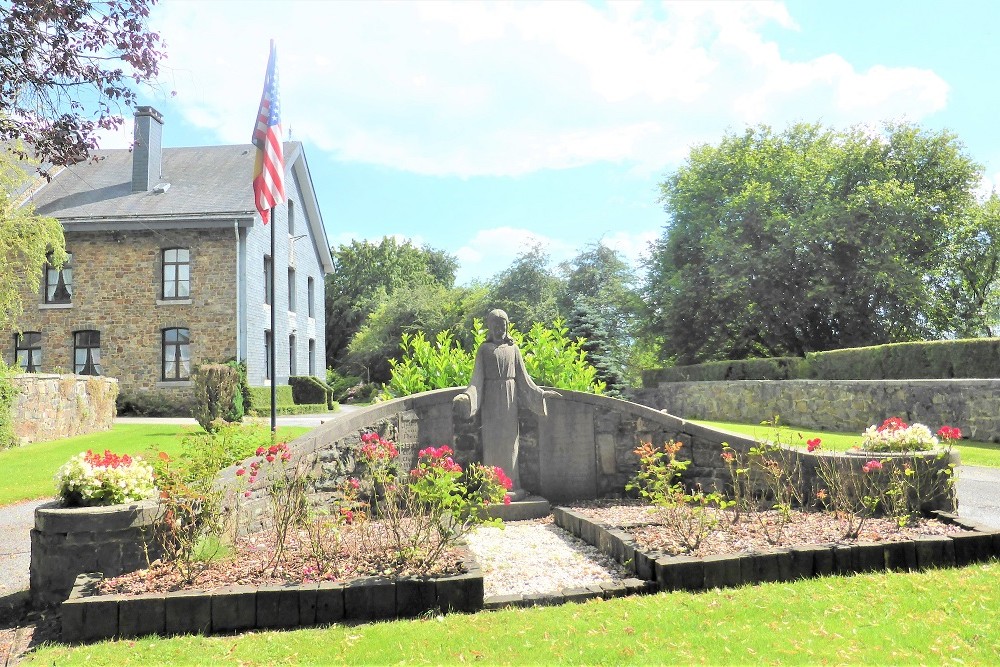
[{"x": 461, "y": 406}]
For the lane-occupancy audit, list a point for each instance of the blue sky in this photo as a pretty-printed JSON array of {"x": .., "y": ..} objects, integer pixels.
[{"x": 479, "y": 128}]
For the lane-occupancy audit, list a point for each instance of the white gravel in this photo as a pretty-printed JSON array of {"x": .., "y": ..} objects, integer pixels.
[{"x": 538, "y": 557}]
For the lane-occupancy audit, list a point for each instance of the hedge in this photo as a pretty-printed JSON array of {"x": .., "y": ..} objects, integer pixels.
[
  {"x": 307, "y": 389},
  {"x": 262, "y": 398},
  {"x": 938, "y": 359}
]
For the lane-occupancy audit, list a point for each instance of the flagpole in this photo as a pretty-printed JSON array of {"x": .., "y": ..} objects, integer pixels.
[{"x": 274, "y": 334}]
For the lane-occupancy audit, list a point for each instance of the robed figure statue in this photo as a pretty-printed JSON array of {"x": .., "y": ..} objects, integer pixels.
[{"x": 499, "y": 383}]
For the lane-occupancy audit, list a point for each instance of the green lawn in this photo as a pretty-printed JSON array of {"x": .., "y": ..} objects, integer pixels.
[
  {"x": 973, "y": 453},
  {"x": 935, "y": 617},
  {"x": 28, "y": 470}
]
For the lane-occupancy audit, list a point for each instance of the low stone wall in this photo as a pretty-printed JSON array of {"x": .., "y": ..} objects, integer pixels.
[
  {"x": 50, "y": 407},
  {"x": 836, "y": 405},
  {"x": 69, "y": 541}
]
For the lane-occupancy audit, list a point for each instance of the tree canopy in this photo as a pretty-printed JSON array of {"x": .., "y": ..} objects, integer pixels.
[
  {"x": 26, "y": 241},
  {"x": 365, "y": 275},
  {"x": 66, "y": 69},
  {"x": 805, "y": 240}
]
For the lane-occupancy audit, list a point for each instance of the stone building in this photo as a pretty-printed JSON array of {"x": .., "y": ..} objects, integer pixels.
[{"x": 168, "y": 269}]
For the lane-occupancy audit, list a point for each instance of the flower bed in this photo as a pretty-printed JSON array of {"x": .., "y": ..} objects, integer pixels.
[{"x": 741, "y": 558}]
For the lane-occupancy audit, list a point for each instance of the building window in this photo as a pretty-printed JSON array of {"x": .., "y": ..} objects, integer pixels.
[
  {"x": 312, "y": 357},
  {"x": 292, "y": 367},
  {"x": 176, "y": 354},
  {"x": 28, "y": 351},
  {"x": 87, "y": 353},
  {"x": 267, "y": 279},
  {"x": 59, "y": 282},
  {"x": 176, "y": 273},
  {"x": 291, "y": 290},
  {"x": 310, "y": 295},
  {"x": 267, "y": 354},
  {"x": 291, "y": 217}
]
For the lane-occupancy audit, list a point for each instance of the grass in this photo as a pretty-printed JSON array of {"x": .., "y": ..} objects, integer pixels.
[
  {"x": 887, "y": 618},
  {"x": 28, "y": 470},
  {"x": 973, "y": 453}
]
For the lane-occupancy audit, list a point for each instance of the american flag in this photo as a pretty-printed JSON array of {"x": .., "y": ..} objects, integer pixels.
[{"x": 269, "y": 166}]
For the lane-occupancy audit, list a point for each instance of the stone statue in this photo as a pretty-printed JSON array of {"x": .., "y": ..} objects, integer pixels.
[{"x": 499, "y": 382}]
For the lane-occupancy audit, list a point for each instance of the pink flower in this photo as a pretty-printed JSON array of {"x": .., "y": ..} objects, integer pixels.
[
  {"x": 813, "y": 445},
  {"x": 727, "y": 457},
  {"x": 240, "y": 472},
  {"x": 506, "y": 500},
  {"x": 354, "y": 483},
  {"x": 270, "y": 458},
  {"x": 246, "y": 494},
  {"x": 260, "y": 450},
  {"x": 871, "y": 465},
  {"x": 273, "y": 449}
]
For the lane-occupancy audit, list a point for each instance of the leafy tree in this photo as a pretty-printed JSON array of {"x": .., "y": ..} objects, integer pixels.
[
  {"x": 26, "y": 241},
  {"x": 805, "y": 240},
  {"x": 969, "y": 300},
  {"x": 365, "y": 275},
  {"x": 429, "y": 308},
  {"x": 527, "y": 290},
  {"x": 66, "y": 68}
]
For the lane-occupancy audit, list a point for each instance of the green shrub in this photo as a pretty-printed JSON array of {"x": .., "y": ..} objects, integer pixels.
[
  {"x": 241, "y": 368},
  {"x": 937, "y": 359},
  {"x": 777, "y": 368},
  {"x": 261, "y": 397},
  {"x": 7, "y": 394},
  {"x": 551, "y": 358},
  {"x": 339, "y": 384},
  {"x": 217, "y": 395},
  {"x": 307, "y": 389}
]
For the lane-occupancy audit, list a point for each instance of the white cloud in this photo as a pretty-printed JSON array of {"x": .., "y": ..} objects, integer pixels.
[{"x": 463, "y": 88}]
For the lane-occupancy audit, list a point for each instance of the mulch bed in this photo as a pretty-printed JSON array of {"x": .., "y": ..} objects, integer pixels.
[
  {"x": 652, "y": 531},
  {"x": 359, "y": 553}
]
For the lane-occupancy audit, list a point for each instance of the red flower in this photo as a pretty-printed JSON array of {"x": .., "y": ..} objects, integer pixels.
[
  {"x": 893, "y": 424},
  {"x": 273, "y": 449},
  {"x": 240, "y": 472},
  {"x": 813, "y": 445},
  {"x": 949, "y": 433},
  {"x": 270, "y": 458},
  {"x": 354, "y": 483},
  {"x": 246, "y": 494},
  {"x": 727, "y": 456},
  {"x": 260, "y": 450},
  {"x": 506, "y": 500}
]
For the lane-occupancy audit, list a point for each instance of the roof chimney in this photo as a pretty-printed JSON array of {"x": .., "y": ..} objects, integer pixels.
[{"x": 147, "y": 149}]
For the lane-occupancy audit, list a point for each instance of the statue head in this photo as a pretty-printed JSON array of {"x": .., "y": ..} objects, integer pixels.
[{"x": 497, "y": 323}]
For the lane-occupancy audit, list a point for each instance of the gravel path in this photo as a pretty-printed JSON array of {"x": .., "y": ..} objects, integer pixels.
[{"x": 538, "y": 557}]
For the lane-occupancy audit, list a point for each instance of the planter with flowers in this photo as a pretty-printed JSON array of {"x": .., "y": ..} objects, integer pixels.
[{"x": 102, "y": 522}]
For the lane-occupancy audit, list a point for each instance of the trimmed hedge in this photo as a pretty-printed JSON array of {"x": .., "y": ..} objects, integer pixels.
[
  {"x": 307, "y": 389},
  {"x": 262, "y": 398},
  {"x": 937, "y": 359}
]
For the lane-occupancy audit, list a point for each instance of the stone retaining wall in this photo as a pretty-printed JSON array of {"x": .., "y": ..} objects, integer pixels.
[
  {"x": 68, "y": 541},
  {"x": 51, "y": 407},
  {"x": 836, "y": 405}
]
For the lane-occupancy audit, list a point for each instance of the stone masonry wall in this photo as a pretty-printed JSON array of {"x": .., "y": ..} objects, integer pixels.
[
  {"x": 50, "y": 407},
  {"x": 837, "y": 405},
  {"x": 117, "y": 291}
]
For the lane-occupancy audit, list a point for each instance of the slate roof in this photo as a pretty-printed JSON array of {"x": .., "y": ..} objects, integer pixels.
[{"x": 205, "y": 182}]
